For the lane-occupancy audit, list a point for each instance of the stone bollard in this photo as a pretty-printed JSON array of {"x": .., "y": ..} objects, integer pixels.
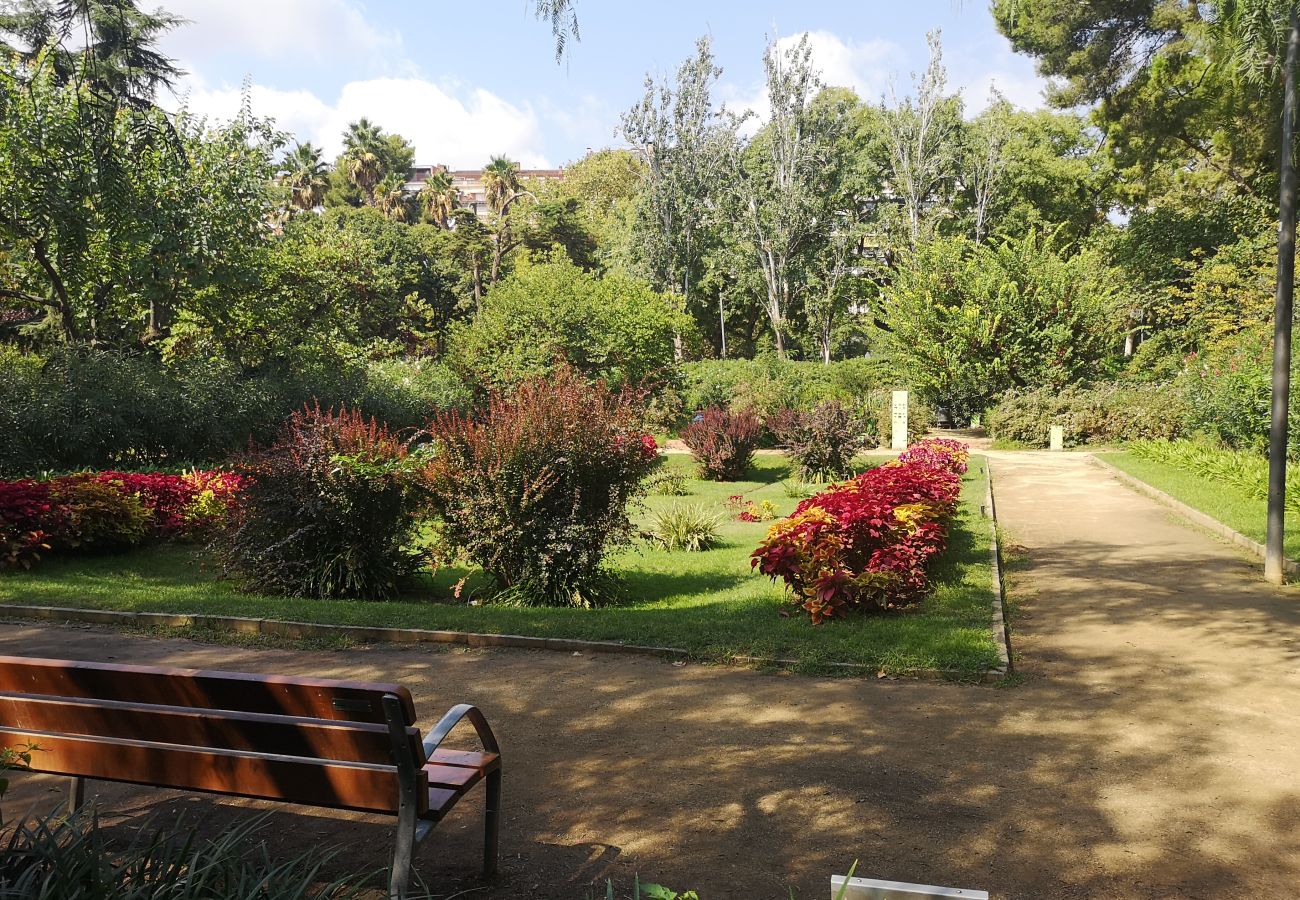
[
  {"x": 899, "y": 438},
  {"x": 1057, "y": 438}
]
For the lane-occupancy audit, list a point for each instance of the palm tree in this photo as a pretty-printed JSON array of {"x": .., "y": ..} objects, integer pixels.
[
  {"x": 365, "y": 171},
  {"x": 391, "y": 199},
  {"x": 500, "y": 183},
  {"x": 303, "y": 171},
  {"x": 363, "y": 136},
  {"x": 1260, "y": 40},
  {"x": 439, "y": 197}
]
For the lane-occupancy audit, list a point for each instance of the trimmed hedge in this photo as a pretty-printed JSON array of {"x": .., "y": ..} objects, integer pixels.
[
  {"x": 1106, "y": 414},
  {"x": 78, "y": 409},
  {"x": 768, "y": 385}
]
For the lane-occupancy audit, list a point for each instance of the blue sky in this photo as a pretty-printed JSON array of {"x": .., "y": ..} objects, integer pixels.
[{"x": 465, "y": 81}]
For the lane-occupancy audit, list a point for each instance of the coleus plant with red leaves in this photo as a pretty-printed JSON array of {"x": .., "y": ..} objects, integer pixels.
[{"x": 865, "y": 544}]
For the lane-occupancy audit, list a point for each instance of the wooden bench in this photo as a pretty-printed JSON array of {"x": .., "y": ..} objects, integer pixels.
[{"x": 314, "y": 741}]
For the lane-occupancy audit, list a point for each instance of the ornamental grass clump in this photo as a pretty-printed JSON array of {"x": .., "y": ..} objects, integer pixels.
[
  {"x": 691, "y": 527},
  {"x": 864, "y": 545},
  {"x": 723, "y": 442},
  {"x": 330, "y": 509},
  {"x": 534, "y": 489}
]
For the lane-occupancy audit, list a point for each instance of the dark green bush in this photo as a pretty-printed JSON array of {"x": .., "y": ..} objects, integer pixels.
[
  {"x": 328, "y": 510},
  {"x": 1105, "y": 414},
  {"x": 96, "y": 409}
]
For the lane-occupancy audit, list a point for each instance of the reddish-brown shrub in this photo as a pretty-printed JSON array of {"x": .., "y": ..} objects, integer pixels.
[
  {"x": 723, "y": 442},
  {"x": 535, "y": 488}
]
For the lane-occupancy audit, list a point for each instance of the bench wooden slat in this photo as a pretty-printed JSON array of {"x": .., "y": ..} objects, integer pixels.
[
  {"x": 487, "y": 762},
  {"x": 252, "y": 732},
  {"x": 365, "y": 788},
  {"x": 457, "y": 778},
  {"x": 317, "y": 698}
]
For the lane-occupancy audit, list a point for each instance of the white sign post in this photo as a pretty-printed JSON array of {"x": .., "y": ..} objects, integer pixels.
[
  {"x": 1056, "y": 437},
  {"x": 899, "y": 437}
]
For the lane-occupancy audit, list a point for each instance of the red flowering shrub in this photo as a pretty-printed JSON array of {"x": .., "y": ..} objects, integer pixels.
[
  {"x": 535, "y": 487},
  {"x": 26, "y": 515},
  {"x": 106, "y": 510},
  {"x": 865, "y": 544},
  {"x": 723, "y": 443}
]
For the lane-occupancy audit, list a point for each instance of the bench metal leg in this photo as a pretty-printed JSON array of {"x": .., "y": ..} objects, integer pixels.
[
  {"x": 76, "y": 794},
  {"x": 492, "y": 824},
  {"x": 402, "y": 859}
]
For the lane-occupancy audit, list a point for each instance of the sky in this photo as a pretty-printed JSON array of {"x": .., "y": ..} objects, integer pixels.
[{"x": 467, "y": 81}]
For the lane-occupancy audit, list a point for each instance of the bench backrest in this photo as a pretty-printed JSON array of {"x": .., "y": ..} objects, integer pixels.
[{"x": 315, "y": 741}]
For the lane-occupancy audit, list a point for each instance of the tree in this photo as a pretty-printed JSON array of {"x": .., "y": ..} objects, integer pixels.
[
  {"x": 780, "y": 182},
  {"x": 304, "y": 172},
  {"x": 1170, "y": 115},
  {"x": 684, "y": 142},
  {"x": 391, "y": 198},
  {"x": 921, "y": 136},
  {"x": 109, "y": 45},
  {"x": 549, "y": 314},
  {"x": 1250, "y": 36},
  {"x": 113, "y": 219},
  {"x": 439, "y": 198},
  {"x": 985, "y": 161},
  {"x": 500, "y": 183},
  {"x": 966, "y": 322}
]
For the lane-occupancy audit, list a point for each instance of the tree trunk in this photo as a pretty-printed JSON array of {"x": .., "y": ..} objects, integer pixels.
[
  {"x": 1277, "y": 438},
  {"x": 71, "y": 334}
]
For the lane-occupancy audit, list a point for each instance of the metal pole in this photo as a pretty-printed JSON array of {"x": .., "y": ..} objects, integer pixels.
[{"x": 1277, "y": 438}]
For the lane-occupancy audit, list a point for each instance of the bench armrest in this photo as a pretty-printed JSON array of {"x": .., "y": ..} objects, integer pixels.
[{"x": 452, "y": 719}]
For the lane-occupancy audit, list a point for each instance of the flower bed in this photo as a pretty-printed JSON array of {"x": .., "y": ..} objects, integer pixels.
[
  {"x": 864, "y": 544},
  {"x": 106, "y": 510}
]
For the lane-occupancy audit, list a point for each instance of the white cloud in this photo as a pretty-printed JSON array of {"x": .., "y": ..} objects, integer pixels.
[
  {"x": 462, "y": 131},
  {"x": 1026, "y": 93},
  {"x": 316, "y": 31}
]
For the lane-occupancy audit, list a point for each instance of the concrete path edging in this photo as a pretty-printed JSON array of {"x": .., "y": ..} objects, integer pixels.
[{"x": 1290, "y": 566}]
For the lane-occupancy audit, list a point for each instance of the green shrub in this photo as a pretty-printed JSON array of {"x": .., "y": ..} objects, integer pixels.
[
  {"x": 723, "y": 443},
  {"x": 545, "y": 315},
  {"x": 822, "y": 442},
  {"x": 686, "y": 526},
  {"x": 535, "y": 488},
  {"x": 767, "y": 385},
  {"x": 60, "y": 857},
  {"x": 327, "y": 510},
  {"x": 90, "y": 409},
  {"x": 1106, "y": 414}
]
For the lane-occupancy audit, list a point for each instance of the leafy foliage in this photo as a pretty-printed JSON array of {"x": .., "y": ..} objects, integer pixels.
[
  {"x": 327, "y": 510},
  {"x": 1246, "y": 471},
  {"x": 77, "y": 409},
  {"x": 723, "y": 442},
  {"x": 76, "y": 856},
  {"x": 1105, "y": 414},
  {"x": 551, "y": 315},
  {"x": 864, "y": 544},
  {"x": 966, "y": 323},
  {"x": 822, "y": 442},
  {"x": 535, "y": 487}
]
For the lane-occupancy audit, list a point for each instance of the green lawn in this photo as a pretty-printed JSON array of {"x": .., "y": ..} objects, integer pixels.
[
  {"x": 708, "y": 603},
  {"x": 1223, "y": 501}
]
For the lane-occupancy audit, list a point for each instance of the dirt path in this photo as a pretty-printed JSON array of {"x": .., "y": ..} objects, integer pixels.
[{"x": 1150, "y": 752}]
